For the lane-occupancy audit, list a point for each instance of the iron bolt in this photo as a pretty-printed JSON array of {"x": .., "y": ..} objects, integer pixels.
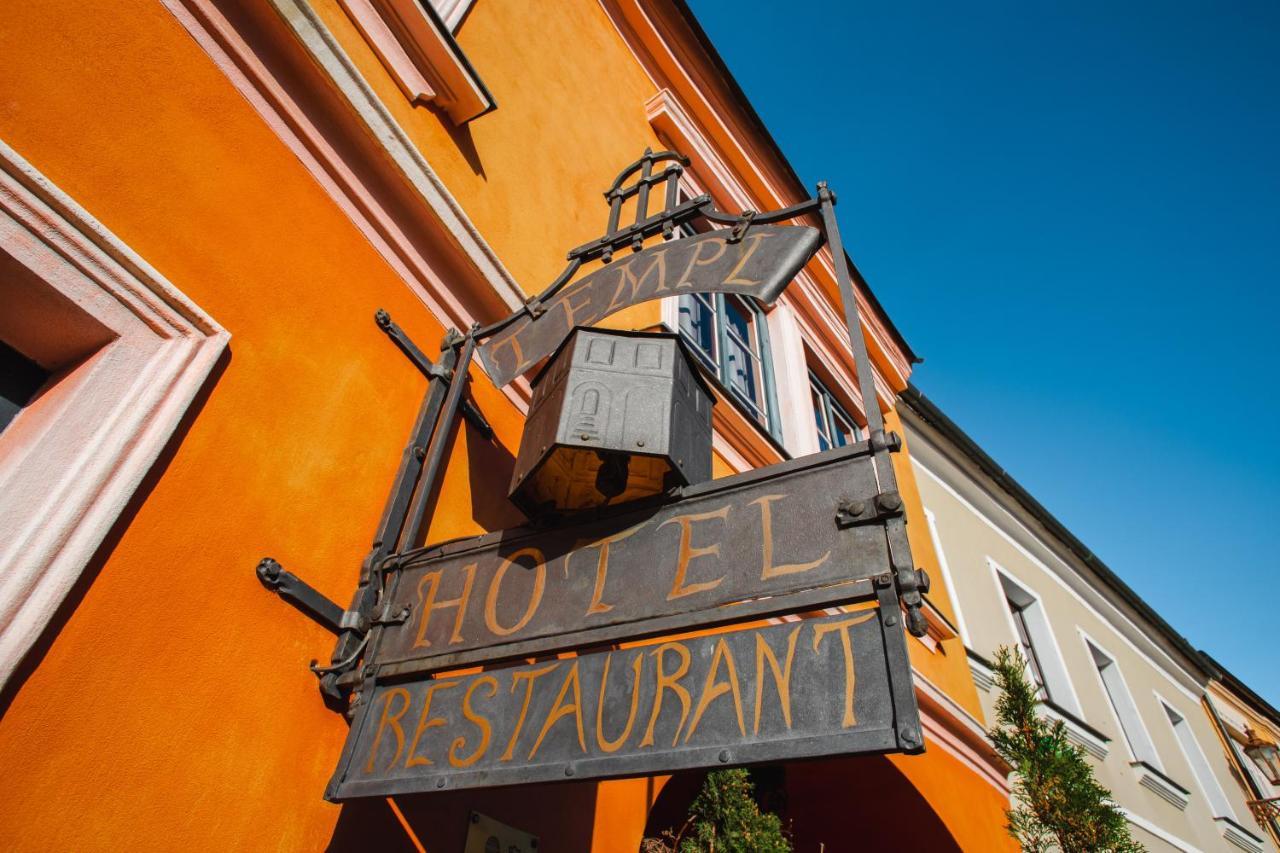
[
  {"x": 440, "y": 782},
  {"x": 640, "y": 443},
  {"x": 568, "y": 770},
  {"x": 890, "y": 619},
  {"x": 889, "y": 501},
  {"x": 724, "y": 756},
  {"x": 419, "y": 453}
]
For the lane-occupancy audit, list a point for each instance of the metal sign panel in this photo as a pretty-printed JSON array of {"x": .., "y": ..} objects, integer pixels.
[
  {"x": 760, "y": 265},
  {"x": 766, "y": 541},
  {"x": 799, "y": 689}
]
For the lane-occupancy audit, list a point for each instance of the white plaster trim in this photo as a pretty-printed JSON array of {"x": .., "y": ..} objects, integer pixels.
[
  {"x": 452, "y": 11},
  {"x": 1238, "y": 835},
  {"x": 1225, "y": 811},
  {"x": 1161, "y": 788},
  {"x": 1119, "y": 617},
  {"x": 1077, "y": 735},
  {"x": 936, "y": 730},
  {"x": 424, "y": 62},
  {"x": 64, "y": 483},
  {"x": 1072, "y": 700},
  {"x": 1106, "y": 695},
  {"x": 931, "y": 522},
  {"x": 983, "y": 678},
  {"x": 288, "y": 120},
  {"x": 1163, "y": 834}
]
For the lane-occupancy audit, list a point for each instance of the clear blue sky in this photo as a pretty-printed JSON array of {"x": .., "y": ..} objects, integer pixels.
[{"x": 1072, "y": 212}]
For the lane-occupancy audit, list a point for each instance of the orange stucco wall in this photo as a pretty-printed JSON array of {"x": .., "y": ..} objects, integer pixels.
[{"x": 170, "y": 705}]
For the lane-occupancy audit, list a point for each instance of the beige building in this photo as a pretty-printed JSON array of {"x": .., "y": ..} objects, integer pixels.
[{"x": 1131, "y": 691}]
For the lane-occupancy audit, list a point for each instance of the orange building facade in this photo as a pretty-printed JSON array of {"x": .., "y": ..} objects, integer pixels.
[{"x": 202, "y": 204}]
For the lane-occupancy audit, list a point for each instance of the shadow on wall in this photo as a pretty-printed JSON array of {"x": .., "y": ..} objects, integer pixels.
[{"x": 561, "y": 815}]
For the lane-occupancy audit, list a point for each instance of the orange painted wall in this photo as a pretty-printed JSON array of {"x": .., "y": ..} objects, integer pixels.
[{"x": 171, "y": 706}]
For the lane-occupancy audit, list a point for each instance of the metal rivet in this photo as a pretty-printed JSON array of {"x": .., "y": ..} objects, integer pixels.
[
  {"x": 568, "y": 770},
  {"x": 891, "y": 619},
  {"x": 440, "y": 783},
  {"x": 640, "y": 443},
  {"x": 724, "y": 756},
  {"x": 585, "y": 437},
  {"x": 908, "y": 736}
]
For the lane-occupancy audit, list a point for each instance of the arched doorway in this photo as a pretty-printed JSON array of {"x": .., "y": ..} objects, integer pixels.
[{"x": 828, "y": 806}]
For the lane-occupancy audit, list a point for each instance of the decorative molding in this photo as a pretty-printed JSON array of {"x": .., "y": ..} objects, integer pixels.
[
  {"x": 417, "y": 48},
  {"x": 954, "y": 729},
  {"x": 288, "y": 118},
  {"x": 73, "y": 459},
  {"x": 1091, "y": 742},
  {"x": 1161, "y": 785},
  {"x": 452, "y": 11},
  {"x": 1163, "y": 834},
  {"x": 1237, "y": 835},
  {"x": 983, "y": 678}
]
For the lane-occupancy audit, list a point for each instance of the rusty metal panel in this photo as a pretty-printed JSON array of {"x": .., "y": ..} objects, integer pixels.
[
  {"x": 767, "y": 541},
  {"x": 800, "y": 689},
  {"x": 760, "y": 264}
]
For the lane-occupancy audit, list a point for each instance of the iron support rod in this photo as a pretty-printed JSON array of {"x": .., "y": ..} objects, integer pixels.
[
  {"x": 439, "y": 441},
  {"x": 424, "y": 364}
]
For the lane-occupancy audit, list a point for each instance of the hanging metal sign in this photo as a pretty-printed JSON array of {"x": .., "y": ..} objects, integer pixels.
[
  {"x": 765, "y": 541},
  {"x": 794, "y": 690},
  {"x": 759, "y": 264},
  {"x": 821, "y": 531}
]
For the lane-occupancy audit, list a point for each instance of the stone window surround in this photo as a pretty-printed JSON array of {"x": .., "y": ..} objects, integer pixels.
[{"x": 132, "y": 351}]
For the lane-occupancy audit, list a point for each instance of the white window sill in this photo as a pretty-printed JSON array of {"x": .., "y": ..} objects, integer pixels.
[
  {"x": 1237, "y": 835},
  {"x": 1161, "y": 785}
]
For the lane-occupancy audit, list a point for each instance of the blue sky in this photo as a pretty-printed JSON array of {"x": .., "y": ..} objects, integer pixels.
[{"x": 1072, "y": 211}]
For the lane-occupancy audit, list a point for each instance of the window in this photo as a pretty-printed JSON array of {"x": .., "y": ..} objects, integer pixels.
[
  {"x": 835, "y": 427},
  {"x": 1031, "y": 630},
  {"x": 730, "y": 336},
  {"x": 1113, "y": 684},
  {"x": 1208, "y": 783},
  {"x": 1018, "y": 612},
  {"x": 20, "y": 379}
]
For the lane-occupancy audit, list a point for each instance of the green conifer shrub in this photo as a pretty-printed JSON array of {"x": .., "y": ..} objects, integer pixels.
[{"x": 1058, "y": 805}]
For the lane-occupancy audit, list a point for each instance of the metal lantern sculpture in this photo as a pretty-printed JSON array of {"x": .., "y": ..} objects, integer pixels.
[
  {"x": 615, "y": 416},
  {"x": 1264, "y": 754}
]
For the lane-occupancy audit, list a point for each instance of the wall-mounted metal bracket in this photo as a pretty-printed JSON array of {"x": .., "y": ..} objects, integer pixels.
[
  {"x": 852, "y": 513},
  {"x": 302, "y": 595},
  {"x": 430, "y": 369}
]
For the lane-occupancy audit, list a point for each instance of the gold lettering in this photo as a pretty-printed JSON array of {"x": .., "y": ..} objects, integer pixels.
[
  {"x": 732, "y": 277},
  {"x": 781, "y": 676},
  {"x": 766, "y": 529},
  {"x": 426, "y": 721},
  {"x": 389, "y": 720},
  {"x": 428, "y": 603},
  {"x": 613, "y": 745},
  {"x": 626, "y": 276},
  {"x": 535, "y": 598},
  {"x": 843, "y": 626},
  {"x": 667, "y": 682},
  {"x": 688, "y": 553},
  {"x": 602, "y": 567},
  {"x": 712, "y": 690},
  {"x": 696, "y": 260},
  {"x": 558, "y": 710},
  {"x": 482, "y": 723},
  {"x": 512, "y": 340},
  {"x": 571, "y": 310},
  {"x": 531, "y": 676}
]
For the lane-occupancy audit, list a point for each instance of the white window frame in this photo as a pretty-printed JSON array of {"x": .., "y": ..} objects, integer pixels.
[
  {"x": 1133, "y": 729},
  {"x": 1206, "y": 781},
  {"x": 931, "y": 522},
  {"x": 1057, "y": 679},
  {"x": 70, "y": 464}
]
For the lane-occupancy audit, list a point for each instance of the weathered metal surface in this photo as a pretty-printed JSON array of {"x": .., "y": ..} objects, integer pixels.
[
  {"x": 793, "y": 690},
  {"x": 766, "y": 541},
  {"x": 615, "y": 416},
  {"x": 760, "y": 264}
]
